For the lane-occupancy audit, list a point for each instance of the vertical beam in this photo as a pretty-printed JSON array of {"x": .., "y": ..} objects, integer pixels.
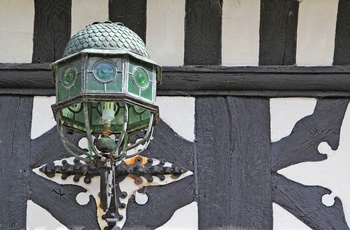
[
  {"x": 233, "y": 146},
  {"x": 52, "y": 29},
  {"x": 15, "y": 124},
  {"x": 342, "y": 42},
  {"x": 203, "y": 32},
  {"x": 278, "y": 31},
  {"x": 132, "y": 13}
]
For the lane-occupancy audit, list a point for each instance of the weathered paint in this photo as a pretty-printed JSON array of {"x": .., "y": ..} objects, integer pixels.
[
  {"x": 165, "y": 31},
  {"x": 316, "y": 32},
  {"x": 128, "y": 185},
  {"x": 85, "y": 12},
  {"x": 16, "y": 31},
  {"x": 240, "y": 32}
]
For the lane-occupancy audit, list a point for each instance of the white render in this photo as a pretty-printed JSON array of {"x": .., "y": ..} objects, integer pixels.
[
  {"x": 165, "y": 31},
  {"x": 284, "y": 220},
  {"x": 316, "y": 32},
  {"x": 36, "y": 215},
  {"x": 42, "y": 116},
  {"x": 240, "y": 32},
  {"x": 97, "y": 11},
  {"x": 16, "y": 31},
  {"x": 185, "y": 218},
  {"x": 178, "y": 113},
  {"x": 285, "y": 112}
]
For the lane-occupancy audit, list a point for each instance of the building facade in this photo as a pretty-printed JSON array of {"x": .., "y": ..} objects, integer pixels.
[{"x": 253, "y": 105}]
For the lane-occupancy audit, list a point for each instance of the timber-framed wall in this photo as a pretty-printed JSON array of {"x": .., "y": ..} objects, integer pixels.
[{"x": 235, "y": 164}]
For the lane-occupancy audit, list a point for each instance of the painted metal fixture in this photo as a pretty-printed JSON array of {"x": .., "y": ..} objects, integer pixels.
[
  {"x": 106, "y": 89},
  {"x": 141, "y": 169}
]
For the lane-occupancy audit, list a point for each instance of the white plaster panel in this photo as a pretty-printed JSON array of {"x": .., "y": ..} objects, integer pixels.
[
  {"x": 316, "y": 32},
  {"x": 284, "y": 220},
  {"x": 85, "y": 12},
  {"x": 42, "y": 116},
  {"x": 285, "y": 112},
  {"x": 240, "y": 32},
  {"x": 36, "y": 215},
  {"x": 16, "y": 31},
  {"x": 165, "y": 31},
  {"x": 332, "y": 173},
  {"x": 185, "y": 218},
  {"x": 178, "y": 113}
]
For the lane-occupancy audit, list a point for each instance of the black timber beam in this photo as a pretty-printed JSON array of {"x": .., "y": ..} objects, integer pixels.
[
  {"x": 203, "y": 32},
  {"x": 278, "y": 32},
  {"x": 240, "y": 198},
  {"x": 131, "y": 13},
  {"x": 265, "y": 81},
  {"x": 52, "y": 29},
  {"x": 341, "y": 42},
  {"x": 15, "y": 124}
]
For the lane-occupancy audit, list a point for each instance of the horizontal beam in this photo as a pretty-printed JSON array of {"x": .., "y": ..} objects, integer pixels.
[{"x": 265, "y": 81}]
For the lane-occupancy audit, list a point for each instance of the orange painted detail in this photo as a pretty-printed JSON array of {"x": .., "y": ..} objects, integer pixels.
[{"x": 132, "y": 160}]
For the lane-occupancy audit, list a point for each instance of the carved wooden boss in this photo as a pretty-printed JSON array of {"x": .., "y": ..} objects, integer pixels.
[{"x": 105, "y": 89}]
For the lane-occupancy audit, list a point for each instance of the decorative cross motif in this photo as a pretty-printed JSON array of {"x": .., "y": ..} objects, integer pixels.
[
  {"x": 137, "y": 167},
  {"x": 302, "y": 145}
]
